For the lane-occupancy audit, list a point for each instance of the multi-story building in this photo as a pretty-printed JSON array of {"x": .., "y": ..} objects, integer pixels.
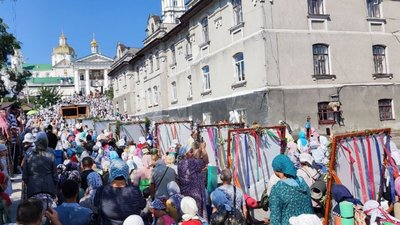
[{"x": 270, "y": 61}]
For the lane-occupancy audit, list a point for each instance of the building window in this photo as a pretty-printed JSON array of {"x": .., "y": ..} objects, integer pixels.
[
  {"x": 189, "y": 78},
  {"x": 316, "y": 7},
  {"x": 239, "y": 66},
  {"x": 175, "y": 3},
  {"x": 157, "y": 56},
  {"x": 81, "y": 77},
  {"x": 321, "y": 59},
  {"x": 379, "y": 55},
  {"x": 385, "y": 109},
  {"x": 242, "y": 114},
  {"x": 155, "y": 93},
  {"x": 188, "y": 48},
  {"x": 151, "y": 64},
  {"x": 125, "y": 106},
  {"x": 173, "y": 55},
  {"x": 206, "y": 78},
  {"x": 204, "y": 26},
  {"x": 325, "y": 113},
  {"x": 174, "y": 91},
  {"x": 374, "y": 8},
  {"x": 207, "y": 118},
  {"x": 138, "y": 101},
  {"x": 237, "y": 12},
  {"x": 149, "y": 97}
]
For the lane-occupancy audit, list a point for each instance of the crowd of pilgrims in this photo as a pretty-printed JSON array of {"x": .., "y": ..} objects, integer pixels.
[{"x": 72, "y": 175}]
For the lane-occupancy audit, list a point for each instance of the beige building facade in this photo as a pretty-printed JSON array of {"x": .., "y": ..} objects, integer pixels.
[{"x": 336, "y": 62}]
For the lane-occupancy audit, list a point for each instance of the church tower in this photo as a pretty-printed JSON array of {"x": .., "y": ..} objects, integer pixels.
[
  {"x": 63, "y": 52},
  {"x": 172, "y": 10},
  {"x": 94, "y": 46}
]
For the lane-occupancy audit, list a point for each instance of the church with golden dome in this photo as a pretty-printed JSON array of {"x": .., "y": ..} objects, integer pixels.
[{"x": 85, "y": 75}]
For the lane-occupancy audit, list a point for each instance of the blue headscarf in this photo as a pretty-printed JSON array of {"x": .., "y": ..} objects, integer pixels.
[
  {"x": 341, "y": 193},
  {"x": 114, "y": 155},
  {"x": 218, "y": 199},
  {"x": 282, "y": 163},
  {"x": 302, "y": 138},
  {"x": 119, "y": 168}
]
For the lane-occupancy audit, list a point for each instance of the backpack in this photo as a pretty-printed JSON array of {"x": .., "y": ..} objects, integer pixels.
[
  {"x": 59, "y": 157},
  {"x": 264, "y": 202}
]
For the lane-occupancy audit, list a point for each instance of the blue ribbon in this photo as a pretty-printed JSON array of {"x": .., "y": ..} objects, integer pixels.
[
  {"x": 366, "y": 168},
  {"x": 378, "y": 152},
  {"x": 392, "y": 190}
]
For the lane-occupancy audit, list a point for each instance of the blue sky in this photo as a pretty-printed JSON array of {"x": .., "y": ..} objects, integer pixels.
[{"x": 38, "y": 24}]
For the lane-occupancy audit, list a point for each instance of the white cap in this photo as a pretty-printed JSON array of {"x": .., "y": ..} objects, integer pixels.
[{"x": 28, "y": 138}]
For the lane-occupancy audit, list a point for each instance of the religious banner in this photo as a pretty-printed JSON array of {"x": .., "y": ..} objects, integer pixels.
[
  {"x": 357, "y": 161},
  {"x": 167, "y": 133},
  {"x": 216, "y": 138},
  {"x": 250, "y": 154}
]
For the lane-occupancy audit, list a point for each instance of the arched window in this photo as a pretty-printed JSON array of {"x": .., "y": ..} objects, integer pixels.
[
  {"x": 239, "y": 66},
  {"x": 321, "y": 59},
  {"x": 385, "y": 109},
  {"x": 379, "y": 54},
  {"x": 206, "y": 78}
]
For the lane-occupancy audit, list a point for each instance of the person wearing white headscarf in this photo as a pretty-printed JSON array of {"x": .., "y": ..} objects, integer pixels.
[
  {"x": 133, "y": 220},
  {"x": 319, "y": 154},
  {"x": 305, "y": 219},
  {"x": 190, "y": 210},
  {"x": 375, "y": 211}
]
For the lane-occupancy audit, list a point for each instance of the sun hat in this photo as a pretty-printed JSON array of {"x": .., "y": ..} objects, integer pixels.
[{"x": 28, "y": 138}]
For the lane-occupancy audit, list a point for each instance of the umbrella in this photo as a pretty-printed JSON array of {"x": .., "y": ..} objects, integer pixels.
[{"x": 32, "y": 112}]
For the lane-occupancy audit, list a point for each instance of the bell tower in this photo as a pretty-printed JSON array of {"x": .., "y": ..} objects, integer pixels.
[{"x": 172, "y": 10}]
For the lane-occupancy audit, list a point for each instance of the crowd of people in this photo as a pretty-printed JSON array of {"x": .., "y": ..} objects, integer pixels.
[
  {"x": 72, "y": 175},
  {"x": 100, "y": 107}
]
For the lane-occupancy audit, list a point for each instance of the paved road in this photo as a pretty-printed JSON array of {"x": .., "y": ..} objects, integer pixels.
[{"x": 16, "y": 196}]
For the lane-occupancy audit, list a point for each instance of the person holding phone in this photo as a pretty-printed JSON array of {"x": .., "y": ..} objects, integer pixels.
[{"x": 31, "y": 211}]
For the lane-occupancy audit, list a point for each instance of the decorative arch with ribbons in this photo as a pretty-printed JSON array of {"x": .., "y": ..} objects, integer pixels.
[
  {"x": 166, "y": 132},
  {"x": 132, "y": 130},
  {"x": 359, "y": 160},
  {"x": 250, "y": 153},
  {"x": 216, "y": 138}
]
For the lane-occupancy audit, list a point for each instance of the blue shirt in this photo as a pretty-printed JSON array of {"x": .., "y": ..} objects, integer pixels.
[{"x": 73, "y": 214}]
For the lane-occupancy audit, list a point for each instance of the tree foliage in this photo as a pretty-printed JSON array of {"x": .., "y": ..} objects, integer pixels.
[
  {"x": 48, "y": 96},
  {"x": 11, "y": 81},
  {"x": 8, "y": 44},
  {"x": 110, "y": 93}
]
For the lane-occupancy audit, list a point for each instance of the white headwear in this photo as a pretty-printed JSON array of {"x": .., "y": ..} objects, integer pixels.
[
  {"x": 305, "y": 219},
  {"x": 133, "y": 220},
  {"x": 306, "y": 158},
  {"x": 142, "y": 140},
  {"x": 189, "y": 208},
  {"x": 373, "y": 209}
]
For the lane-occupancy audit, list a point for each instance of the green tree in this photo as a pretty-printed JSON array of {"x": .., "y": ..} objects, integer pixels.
[
  {"x": 110, "y": 93},
  {"x": 48, "y": 96},
  {"x": 17, "y": 79},
  {"x": 8, "y": 44}
]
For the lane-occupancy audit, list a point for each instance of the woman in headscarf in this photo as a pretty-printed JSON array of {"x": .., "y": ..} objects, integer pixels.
[
  {"x": 133, "y": 220},
  {"x": 40, "y": 172},
  {"x": 340, "y": 193},
  {"x": 94, "y": 182},
  {"x": 192, "y": 176},
  {"x": 190, "y": 212},
  {"x": 143, "y": 174},
  {"x": 290, "y": 196},
  {"x": 118, "y": 199},
  {"x": 224, "y": 213},
  {"x": 173, "y": 204},
  {"x": 158, "y": 208},
  {"x": 302, "y": 143}
]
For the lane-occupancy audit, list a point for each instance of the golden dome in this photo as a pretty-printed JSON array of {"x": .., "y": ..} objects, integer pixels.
[
  {"x": 63, "y": 49},
  {"x": 93, "y": 43}
]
